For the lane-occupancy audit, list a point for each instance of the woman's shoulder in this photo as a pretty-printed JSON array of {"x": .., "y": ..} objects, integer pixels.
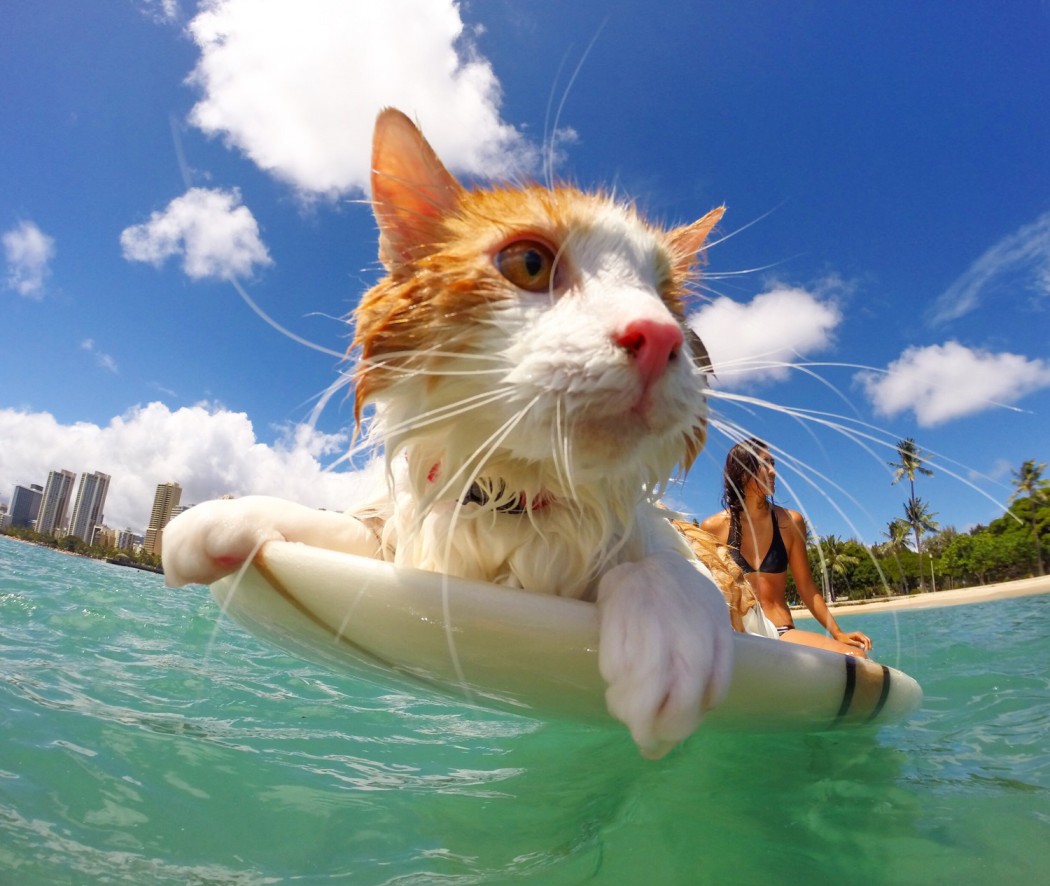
[
  {"x": 716, "y": 524},
  {"x": 787, "y": 517}
]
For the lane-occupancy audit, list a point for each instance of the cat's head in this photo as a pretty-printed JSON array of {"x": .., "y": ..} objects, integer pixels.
[{"x": 532, "y": 329}]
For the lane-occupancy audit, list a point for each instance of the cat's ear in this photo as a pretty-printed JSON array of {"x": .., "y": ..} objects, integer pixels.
[
  {"x": 688, "y": 240},
  {"x": 411, "y": 189}
]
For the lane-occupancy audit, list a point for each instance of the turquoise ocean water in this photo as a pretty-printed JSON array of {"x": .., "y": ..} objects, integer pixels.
[{"x": 145, "y": 740}]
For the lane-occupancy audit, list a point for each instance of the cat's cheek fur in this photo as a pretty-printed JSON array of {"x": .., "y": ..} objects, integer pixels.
[{"x": 665, "y": 648}]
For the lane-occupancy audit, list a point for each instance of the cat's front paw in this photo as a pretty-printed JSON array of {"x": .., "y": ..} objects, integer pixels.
[
  {"x": 665, "y": 648},
  {"x": 214, "y": 539}
]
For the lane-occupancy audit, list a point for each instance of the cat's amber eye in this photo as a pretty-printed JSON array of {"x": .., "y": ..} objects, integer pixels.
[{"x": 528, "y": 264}]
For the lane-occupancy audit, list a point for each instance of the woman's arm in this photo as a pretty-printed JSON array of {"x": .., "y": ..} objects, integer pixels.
[{"x": 795, "y": 541}]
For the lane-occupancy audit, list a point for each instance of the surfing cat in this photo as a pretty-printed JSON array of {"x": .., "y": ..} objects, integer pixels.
[{"x": 535, "y": 386}]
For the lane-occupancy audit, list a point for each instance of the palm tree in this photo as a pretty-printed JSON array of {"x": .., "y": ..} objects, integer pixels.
[
  {"x": 1030, "y": 484},
  {"x": 912, "y": 461},
  {"x": 837, "y": 561},
  {"x": 896, "y": 532},
  {"x": 918, "y": 516}
]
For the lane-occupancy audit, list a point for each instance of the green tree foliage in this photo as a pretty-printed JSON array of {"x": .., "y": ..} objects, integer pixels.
[
  {"x": 911, "y": 461},
  {"x": 1006, "y": 549},
  {"x": 918, "y": 516},
  {"x": 837, "y": 560},
  {"x": 1029, "y": 483},
  {"x": 896, "y": 535}
]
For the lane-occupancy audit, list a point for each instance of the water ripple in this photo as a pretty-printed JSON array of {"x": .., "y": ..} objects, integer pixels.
[{"x": 147, "y": 740}]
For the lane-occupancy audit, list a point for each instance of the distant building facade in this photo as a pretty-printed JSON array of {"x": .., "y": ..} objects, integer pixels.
[
  {"x": 54, "y": 505},
  {"x": 89, "y": 504},
  {"x": 121, "y": 539},
  {"x": 25, "y": 504},
  {"x": 127, "y": 540},
  {"x": 164, "y": 502}
]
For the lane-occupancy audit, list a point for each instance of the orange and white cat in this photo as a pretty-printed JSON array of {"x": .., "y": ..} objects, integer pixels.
[{"x": 535, "y": 386}]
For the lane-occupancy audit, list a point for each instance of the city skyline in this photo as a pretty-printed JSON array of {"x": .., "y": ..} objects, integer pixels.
[{"x": 53, "y": 501}]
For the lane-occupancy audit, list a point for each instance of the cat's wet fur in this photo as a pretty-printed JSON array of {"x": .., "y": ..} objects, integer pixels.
[{"x": 535, "y": 387}]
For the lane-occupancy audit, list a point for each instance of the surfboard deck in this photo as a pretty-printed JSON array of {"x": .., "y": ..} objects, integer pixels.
[{"x": 529, "y": 653}]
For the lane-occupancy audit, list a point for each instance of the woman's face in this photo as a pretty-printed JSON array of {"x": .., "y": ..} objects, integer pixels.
[{"x": 765, "y": 478}]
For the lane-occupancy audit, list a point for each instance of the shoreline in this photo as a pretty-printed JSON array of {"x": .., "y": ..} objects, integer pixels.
[
  {"x": 112, "y": 561},
  {"x": 1025, "y": 587}
]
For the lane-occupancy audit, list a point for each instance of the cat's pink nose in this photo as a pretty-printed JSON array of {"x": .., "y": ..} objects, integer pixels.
[{"x": 652, "y": 344}]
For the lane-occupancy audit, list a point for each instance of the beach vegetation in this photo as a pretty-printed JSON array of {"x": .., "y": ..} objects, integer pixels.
[
  {"x": 138, "y": 559},
  {"x": 1035, "y": 489}
]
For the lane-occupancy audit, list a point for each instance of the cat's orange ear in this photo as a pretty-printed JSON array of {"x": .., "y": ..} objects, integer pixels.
[
  {"x": 411, "y": 189},
  {"x": 687, "y": 240}
]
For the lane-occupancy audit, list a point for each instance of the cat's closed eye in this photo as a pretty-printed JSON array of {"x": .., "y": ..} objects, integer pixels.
[{"x": 528, "y": 264}]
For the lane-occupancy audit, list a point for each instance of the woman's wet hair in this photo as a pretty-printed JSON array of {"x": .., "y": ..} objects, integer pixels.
[{"x": 742, "y": 462}]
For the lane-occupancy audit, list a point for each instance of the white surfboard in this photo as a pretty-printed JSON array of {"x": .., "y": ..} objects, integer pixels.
[{"x": 530, "y": 653}]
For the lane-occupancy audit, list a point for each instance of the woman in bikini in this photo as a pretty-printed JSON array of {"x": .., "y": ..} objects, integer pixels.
[{"x": 751, "y": 524}]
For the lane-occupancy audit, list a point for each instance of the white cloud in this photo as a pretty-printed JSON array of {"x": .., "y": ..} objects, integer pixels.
[
  {"x": 162, "y": 11},
  {"x": 754, "y": 342},
  {"x": 296, "y": 86},
  {"x": 28, "y": 251},
  {"x": 942, "y": 382},
  {"x": 103, "y": 360},
  {"x": 207, "y": 450},
  {"x": 1019, "y": 262},
  {"x": 213, "y": 233}
]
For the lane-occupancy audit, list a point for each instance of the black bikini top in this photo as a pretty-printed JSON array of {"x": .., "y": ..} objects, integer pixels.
[{"x": 776, "y": 559}]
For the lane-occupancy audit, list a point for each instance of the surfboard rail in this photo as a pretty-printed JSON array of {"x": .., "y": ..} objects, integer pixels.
[{"x": 528, "y": 653}]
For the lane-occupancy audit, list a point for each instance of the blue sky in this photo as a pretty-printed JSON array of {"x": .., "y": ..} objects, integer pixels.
[{"x": 885, "y": 168}]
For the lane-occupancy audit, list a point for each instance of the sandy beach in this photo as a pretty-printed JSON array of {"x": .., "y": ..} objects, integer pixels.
[{"x": 1027, "y": 587}]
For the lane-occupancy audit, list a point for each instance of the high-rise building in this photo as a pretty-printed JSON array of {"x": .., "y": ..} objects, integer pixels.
[
  {"x": 54, "y": 506},
  {"x": 25, "y": 504},
  {"x": 126, "y": 539},
  {"x": 164, "y": 502},
  {"x": 87, "y": 509}
]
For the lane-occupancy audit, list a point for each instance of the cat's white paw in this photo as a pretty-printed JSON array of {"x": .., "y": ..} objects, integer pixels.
[
  {"x": 665, "y": 648},
  {"x": 213, "y": 539}
]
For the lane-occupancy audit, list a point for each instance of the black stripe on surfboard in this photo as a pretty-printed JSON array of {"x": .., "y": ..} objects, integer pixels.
[
  {"x": 851, "y": 685},
  {"x": 881, "y": 703},
  {"x": 850, "y": 689}
]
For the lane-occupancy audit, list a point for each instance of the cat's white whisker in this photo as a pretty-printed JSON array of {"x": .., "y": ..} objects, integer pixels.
[
  {"x": 743, "y": 272},
  {"x": 476, "y": 462},
  {"x": 345, "y": 380},
  {"x": 549, "y": 134},
  {"x": 479, "y": 460},
  {"x": 559, "y": 449},
  {"x": 865, "y": 435},
  {"x": 444, "y": 413},
  {"x": 394, "y": 359},
  {"x": 266, "y": 318},
  {"x": 739, "y": 230}
]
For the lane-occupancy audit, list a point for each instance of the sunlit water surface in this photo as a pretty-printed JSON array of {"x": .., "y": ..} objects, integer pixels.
[{"x": 146, "y": 740}]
